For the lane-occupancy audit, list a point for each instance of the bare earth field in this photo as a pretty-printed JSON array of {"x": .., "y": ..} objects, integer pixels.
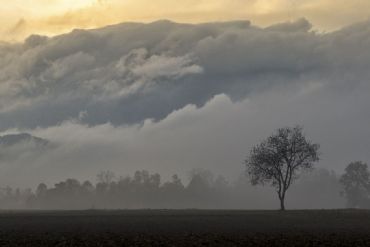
[{"x": 185, "y": 228}]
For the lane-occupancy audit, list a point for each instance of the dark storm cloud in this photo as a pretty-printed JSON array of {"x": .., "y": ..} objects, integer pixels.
[
  {"x": 127, "y": 73},
  {"x": 130, "y": 72}
]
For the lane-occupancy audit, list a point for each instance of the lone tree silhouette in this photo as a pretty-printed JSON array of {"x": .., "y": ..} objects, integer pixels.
[{"x": 280, "y": 159}]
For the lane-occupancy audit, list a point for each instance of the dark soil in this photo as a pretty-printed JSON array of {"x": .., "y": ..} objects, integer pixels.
[{"x": 185, "y": 228}]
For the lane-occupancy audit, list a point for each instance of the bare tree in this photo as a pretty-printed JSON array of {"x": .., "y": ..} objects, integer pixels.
[{"x": 280, "y": 159}]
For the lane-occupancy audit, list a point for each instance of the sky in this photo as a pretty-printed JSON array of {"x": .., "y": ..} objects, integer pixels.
[
  {"x": 171, "y": 97},
  {"x": 20, "y": 18}
]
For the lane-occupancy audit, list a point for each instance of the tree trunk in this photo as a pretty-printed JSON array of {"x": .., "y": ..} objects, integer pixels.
[{"x": 282, "y": 204}]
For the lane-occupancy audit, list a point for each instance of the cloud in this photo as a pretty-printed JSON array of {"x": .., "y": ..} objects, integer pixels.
[
  {"x": 138, "y": 70},
  {"x": 166, "y": 67},
  {"x": 127, "y": 73},
  {"x": 302, "y": 25},
  {"x": 130, "y": 72}
]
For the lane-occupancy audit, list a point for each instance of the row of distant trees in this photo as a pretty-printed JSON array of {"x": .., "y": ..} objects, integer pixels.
[
  {"x": 318, "y": 189},
  {"x": 142, "y": 190},
  {"x": 282, "y": 159}
]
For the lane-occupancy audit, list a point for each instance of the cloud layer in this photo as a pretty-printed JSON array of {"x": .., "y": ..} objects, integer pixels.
[{"x": 170, "y": 97}]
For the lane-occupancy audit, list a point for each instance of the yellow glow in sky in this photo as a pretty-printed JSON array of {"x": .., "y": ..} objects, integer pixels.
[{"x": 20, "y": 18}]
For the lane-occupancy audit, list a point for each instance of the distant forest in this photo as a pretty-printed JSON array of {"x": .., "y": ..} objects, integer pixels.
[{"x": 320, "y": 189}]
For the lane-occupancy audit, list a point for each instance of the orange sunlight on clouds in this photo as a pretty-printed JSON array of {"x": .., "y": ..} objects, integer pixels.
[{"x": 20, "y": 18}]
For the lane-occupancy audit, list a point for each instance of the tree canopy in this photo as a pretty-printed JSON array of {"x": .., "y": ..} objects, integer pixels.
[{"x": 280, "y": 158}]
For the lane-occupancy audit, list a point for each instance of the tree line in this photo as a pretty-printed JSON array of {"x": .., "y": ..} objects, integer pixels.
[
  {"x": 319, "y": 189},
  {"x": 285, "y": 158}
]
